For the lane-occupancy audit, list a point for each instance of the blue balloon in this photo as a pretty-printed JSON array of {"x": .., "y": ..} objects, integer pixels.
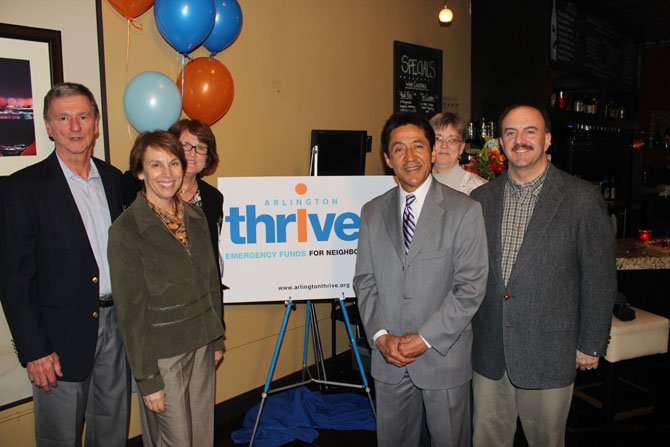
[
  {"x": 227, "y": 26},
  {"x": 152, "y": 101},
  {"x": 185, "y": 24}
]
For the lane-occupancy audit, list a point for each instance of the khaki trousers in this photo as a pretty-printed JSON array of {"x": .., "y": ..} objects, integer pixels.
[
  {"x": 188, "y": 419},
  {"x": 497, "y": 403}
]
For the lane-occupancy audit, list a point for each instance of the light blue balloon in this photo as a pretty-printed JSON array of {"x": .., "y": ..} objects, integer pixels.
[
  {"x": 227, "y": 26},
  {"x": 152, "y": 101},
  {"x": 185, "y": 24}
]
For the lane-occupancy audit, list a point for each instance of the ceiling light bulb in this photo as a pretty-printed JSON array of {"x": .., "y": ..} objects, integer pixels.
[{"x": 446, "y": 15}]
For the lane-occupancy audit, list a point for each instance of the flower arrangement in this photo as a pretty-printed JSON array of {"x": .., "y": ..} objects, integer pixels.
[{"x": 489, "y": 162}]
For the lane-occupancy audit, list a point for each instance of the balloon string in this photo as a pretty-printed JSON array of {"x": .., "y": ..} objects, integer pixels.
[
  {"x": 127, "y": 48},
  {"x": 179, "y": 58},
  {"x": 130, "y": 136},
  {"x": 183, "y": 75},
  {"x": 137, "y": 26}
]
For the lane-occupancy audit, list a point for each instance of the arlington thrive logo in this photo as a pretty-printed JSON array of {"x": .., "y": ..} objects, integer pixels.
[{"x": 304, "y": 220}]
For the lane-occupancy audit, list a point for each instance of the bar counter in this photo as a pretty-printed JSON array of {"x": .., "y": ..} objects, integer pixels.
[{"x": 633, "y": 254}]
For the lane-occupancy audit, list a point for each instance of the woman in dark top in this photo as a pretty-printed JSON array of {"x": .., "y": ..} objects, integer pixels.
[{"x": 202, "y": 159}]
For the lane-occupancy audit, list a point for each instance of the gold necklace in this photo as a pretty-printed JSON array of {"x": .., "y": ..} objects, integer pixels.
[{"x": 184, "y": 191}]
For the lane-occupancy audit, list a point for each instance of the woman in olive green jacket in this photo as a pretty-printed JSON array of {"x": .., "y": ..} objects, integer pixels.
[{"x": 167, "y": 297}]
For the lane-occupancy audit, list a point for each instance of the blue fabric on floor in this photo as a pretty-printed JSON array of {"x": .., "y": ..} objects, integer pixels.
[{"x": 299, "y": 412}]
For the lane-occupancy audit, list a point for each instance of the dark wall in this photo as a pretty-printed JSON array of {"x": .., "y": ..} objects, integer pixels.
[
  {"x": 510, "y": 53},
  {"x": 655, "y": 83}
]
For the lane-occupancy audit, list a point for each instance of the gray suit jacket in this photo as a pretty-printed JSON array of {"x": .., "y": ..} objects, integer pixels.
[
  {"x": 435, "y": 290},
  {"x": 560, "y": 294}
]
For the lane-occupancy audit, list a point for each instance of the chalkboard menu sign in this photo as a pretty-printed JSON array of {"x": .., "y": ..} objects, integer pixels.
[
  {"x": 585, "y": 38},
  {"x": 417, "y": 79}
]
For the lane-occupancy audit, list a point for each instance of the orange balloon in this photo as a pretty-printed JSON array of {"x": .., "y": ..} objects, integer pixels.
[
  {"x": 208, "y": 89},
  {"x": 131, "y": 8}
]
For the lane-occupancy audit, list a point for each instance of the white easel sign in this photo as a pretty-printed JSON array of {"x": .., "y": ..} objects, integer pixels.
[{"x": 292, "y": 236}]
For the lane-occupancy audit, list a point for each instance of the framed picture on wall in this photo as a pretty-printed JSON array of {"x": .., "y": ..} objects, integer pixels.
[{"x": 30, "y": 64}]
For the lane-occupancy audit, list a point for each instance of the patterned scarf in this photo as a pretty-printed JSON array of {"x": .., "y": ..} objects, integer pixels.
[{"x": 174, "y": 222}]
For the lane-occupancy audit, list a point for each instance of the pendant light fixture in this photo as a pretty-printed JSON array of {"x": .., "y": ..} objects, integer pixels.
[{"x": 446, "y": 15}]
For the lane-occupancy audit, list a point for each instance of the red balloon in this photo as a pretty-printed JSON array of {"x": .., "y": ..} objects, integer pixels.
[
  {"x": 131, "y": 8},
  {"x": 208, "y": 89}
]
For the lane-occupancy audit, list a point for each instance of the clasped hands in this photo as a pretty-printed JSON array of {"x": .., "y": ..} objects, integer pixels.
[{"x": 401, "y": 350}]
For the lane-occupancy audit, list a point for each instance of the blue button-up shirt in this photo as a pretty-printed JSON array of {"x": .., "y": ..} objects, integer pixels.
[{"x": 89, "y": 195}]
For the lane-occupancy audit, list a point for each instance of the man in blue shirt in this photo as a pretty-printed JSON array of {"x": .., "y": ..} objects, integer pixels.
[{"x": 54, "y": 279}]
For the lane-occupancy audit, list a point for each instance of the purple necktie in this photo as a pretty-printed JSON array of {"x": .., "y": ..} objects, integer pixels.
[{"x": 408, "y": 222}]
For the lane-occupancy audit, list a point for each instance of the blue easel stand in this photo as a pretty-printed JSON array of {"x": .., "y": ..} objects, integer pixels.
[{"x": 311, "y": 325}]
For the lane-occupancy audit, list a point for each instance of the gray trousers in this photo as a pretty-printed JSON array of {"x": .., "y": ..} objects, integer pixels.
[
  {"x": 188, "y": 419},
  {"x": 102, "y": 400},
  {"x": 400, "y": 409}
]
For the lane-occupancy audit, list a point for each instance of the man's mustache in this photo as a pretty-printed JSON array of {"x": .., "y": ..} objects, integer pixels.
[{"x": 522, "y": 146}]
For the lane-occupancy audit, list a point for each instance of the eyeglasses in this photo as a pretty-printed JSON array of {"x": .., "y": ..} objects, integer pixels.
[
  {"x": 200, "y": 149},
  {"x": 451, "y": 141}
]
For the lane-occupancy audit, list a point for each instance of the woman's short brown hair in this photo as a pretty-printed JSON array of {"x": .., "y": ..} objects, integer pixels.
[
  {"x": 204, "y": 134},
  {"x": 158, "y": 139},
  {"x": 443, "y": 120}
]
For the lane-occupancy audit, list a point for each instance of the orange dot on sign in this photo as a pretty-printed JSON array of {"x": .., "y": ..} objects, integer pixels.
[{"x": 301, "y": 188}]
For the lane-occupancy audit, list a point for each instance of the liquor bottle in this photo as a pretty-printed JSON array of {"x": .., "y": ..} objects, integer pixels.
[
  {"x": 612, "y": 189},
  {"x": 587, "y": 143},
  {"x": 483, "y": 131},
  {"x": 657, "y": 138},
  {"x": 562, "y": 101},
  {"x": 470, "y": 133},
  {"x": 605, "y": 188},
  {"x": 592, "y": 106}
]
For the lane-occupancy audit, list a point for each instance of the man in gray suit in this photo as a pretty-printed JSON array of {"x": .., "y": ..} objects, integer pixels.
[
  {"x": 420, "y": 277},
  {"x": 550, "y": 292}
]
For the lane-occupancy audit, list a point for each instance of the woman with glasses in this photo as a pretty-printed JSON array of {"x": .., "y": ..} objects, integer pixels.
[
  {"x": 199, "y": 146},
  {"x": 449, "y": 146}
]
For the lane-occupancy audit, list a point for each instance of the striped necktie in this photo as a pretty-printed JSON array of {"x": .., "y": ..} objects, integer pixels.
[{"x": 408, "y": 222}]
